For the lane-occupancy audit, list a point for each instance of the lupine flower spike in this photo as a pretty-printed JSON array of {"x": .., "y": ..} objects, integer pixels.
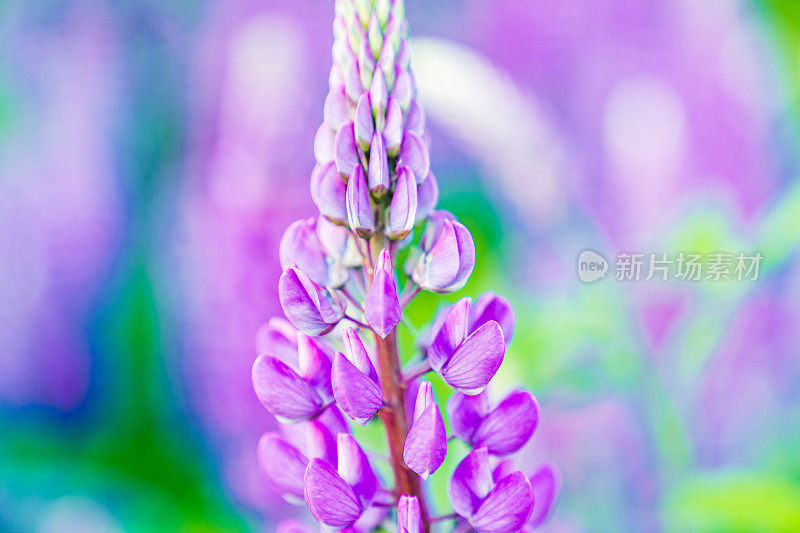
[{"x": 336, "y": 359}]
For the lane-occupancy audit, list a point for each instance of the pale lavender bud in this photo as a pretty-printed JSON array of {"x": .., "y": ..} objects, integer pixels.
[
  {"x": 403, "y": 56},
  {"x": 284, "y": 465},
  {"x": 409, "y": 515},
  {"x": 323, "y": 143},
  {"x": 278, "y": 337},
  {"x": 336, "y": 79},
  {"x": 382, "y": 307},
  {"x": 375, "y": 34},
  {"x": 366, "y": 62},
  {"x": 338, "y": 241},
  {"x": 415, "y": 119},
  {"x": 346, "y": 150},
  {"x": 359, "y": 210},
  {"x": 414, "y": 155},
  {"x": 402, "y": 90},
  {"x": 427, "y": 197},
  {"x": 328, "y": 191},
  {"x": 448, "y": 255},
  {"x": 503, "y": 430},
  {"x": 490, "y": 506},
  {"x": 466, "y": 361},
  {"x": 336, "y": 109},
  {"x": 426, "y": 445},
  {"x": 364, "y": 127},
  {"x": 402, "y": 212},
  {"x": 378, "y": 172},
  {"x": 379, "y": 96},
  {"x": 386, "y": 62},
  {"x": 313, "y": 309},
  {"x": 355, "y": 380},
  {"x": 393, "y": 128},
  {"x": 352, "y": 80}
]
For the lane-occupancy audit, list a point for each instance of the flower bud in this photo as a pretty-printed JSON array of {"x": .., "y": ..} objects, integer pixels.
[
  {"x": 448, "y": 255},
  {"x": 364, "y": 127},
  {"x": 402, "y": 90},
  {"x": 415, "y": 119},
  {"x": 346, "y": 151},
  {"x": 374, "y": 34},
  {"x": 378, "y": 169},
  {"x": 313, "y": 309},
  {"x": 328, "y": 191},
  {"x": 284, "y": 465},
  {"x": 546, "y": 484},
  {"x": 393, "y": 128},
  {"x": 426, "y": 445},
  {"x": 402, "y": 212},
  {"x": 366, "y": 62},
  {"x": 378, "y": 96},
  {"x": 414, "y": 154},
  {"x": 409, "y": 515},
  {"x": 338, "y": 242},
  {"x": 355, "y": 380},
  {"x": 323, "y": 144},
  {"x": 427, "y": 196},
  {"x": 382, "y": 306},
  {"x": 352, "y": 79},
  {"x": 336, "y": 109},
  {"x": 301, "y": 247},
  {"x": 359, "y": 210},
  {"x": 283, "y": 391},
  {"x": 493, "y": 307}
]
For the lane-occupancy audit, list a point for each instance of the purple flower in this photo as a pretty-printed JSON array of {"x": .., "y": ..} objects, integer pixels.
[
  {"x": 490, "y": 306},
  {"x": 328, "y": 191},
  {"x": 414, "y": 155},
  {"x": 427, "y": 197},
  {"x": 546, "y": 483},
  {"x": 490, "y": 505},
  {"x": 378, "y": 172},
  {"x": 337, "y": 497},
  {"x": 466, "y": 360},
  {"x": 448, "y": 255},
  {"x": 301, "y": 247},
  {"x": 426, "y": 444},
  {"x": 313, "y": 309},
  {"x": 402, "y": 212},
  {"x": 359, "y": 209},
  {"x": 382, "y": 307},
  {"x": 409, "y": 516},
  {"x": 502, "y": 430},
  {"x": 355, "y": 380}
]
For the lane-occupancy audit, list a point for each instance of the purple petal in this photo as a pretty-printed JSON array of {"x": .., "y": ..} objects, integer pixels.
[
  {"x": 345, "y": 150},
  {"x": 427, "y": 196},
  {"x": 284, "y": 466},
  {"x": 477, "y": 359},
  {"x": 378, "y": 171},
  {"x": 393, "y": 129},
  {"x": 336, "y": 110},
  {"x": 449, "y": 331},
  {"x": 402, "y": 212},
  {"x": 313, "y": 363},
  {"x": 338, "y": 240},
  {"x": 426, "y": 445},
  {"x": 355, "y": 470},
  {"x": 466, "y": 256},
  {"x": 364, "y": 128},
  {"x": 320, "y": 441},
  {"x": 437, "y": 269},
  {"x": 507, "y": 507},
  {"x": 409, "y": 515},
  {"x": 334, "y": 420},
  {"x": 312, "y": 309},
  {"x": 323, "y": 144},
  {"x": 510, "y": 425},
  {"x": 382, "y": 306},
  {"x": 503, "y": 468},
  {"x": 355, "y": 392},
  {"x": 415, "y": 118},
  {"x": 278, "y": 338},
  {"x": 402, "y": 90},
  {"x": 356, "y": 353},
  {"x": 328, "y": 192},
  {"x": 359, "y": 210},
  {"x": 545, "y": 483},
  {"x": 466, "y": 413},
  {"x": 330, "y": 499},
  {"x": 493, "y": 307},
  {"x": 285, "y": 394},
  {"x": 378, "y": 95},
  {"x": 471, "y": 482},
  {"x": 352, "y": 80},
  {"x": 301, "y": 247},
  {"x": 414, "y": 155}
]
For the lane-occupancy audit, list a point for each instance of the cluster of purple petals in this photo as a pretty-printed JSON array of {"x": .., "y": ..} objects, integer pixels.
[{"x": 339, "y": 291}]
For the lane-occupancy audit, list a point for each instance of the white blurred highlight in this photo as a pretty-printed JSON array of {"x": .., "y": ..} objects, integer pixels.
[{"x": 503, "y": 128}]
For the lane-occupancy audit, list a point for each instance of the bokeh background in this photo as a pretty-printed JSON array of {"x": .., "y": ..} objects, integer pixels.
[{"x": 151, "y": 154}]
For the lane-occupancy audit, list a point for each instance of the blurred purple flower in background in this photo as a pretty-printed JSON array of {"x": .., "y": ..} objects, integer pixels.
[{"x": 61, "y": 214}]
